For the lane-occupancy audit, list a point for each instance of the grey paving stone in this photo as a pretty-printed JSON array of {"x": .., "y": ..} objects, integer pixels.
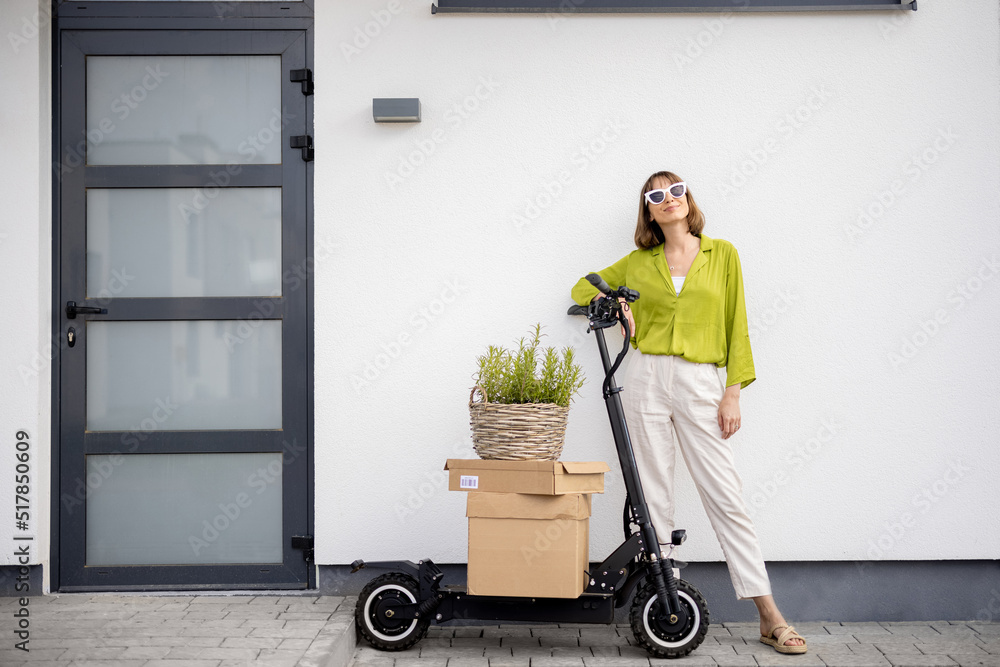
[
  {"x": 947, "y": 647},
  {"x": 295, "y": 616},
  {"x": 258, "y": 642},
  {"x": 128, "y": 663},
  {"x": 966, "y": 660},
  {"x": 475, "y": 642},
  {"x": 91, "y": 653},
  {"x": 909, "y": 648},
  {"x": 576, "y": 652},
  {"x": 468, "y": 662},
  {"x": 291, "y": 643},
  {"x": 507, "y": 631},
  {"x": 434, "y": 661},
  {"x": 468, "y": 632},
  {"x": 557, "y": 662},
  {"x": 366, "y": 662},
  {"x": 715, "y": 650},
  {"x": 735, "y": 661},
  {"x": 734, "y": 641},
  {"x": 531, "y": 652},
  {"x": 497, "y": 652},
  {"x": 854, "y": 629},
  {"x": 775, "y": 659},
  {"x": 554, "y": 632},
  {"x": 832, "y": 648},
  {"x": 440, "y": 631},
  {"x": 603, "y": 651},
  {"x": 520, "y": 641},
  {"x": 559, "y": 641},
  {"x": 274, "y": 655},
  {"x": 449, "y": 652},
  {"x": 620, "y": 661},
  {"x": 852, "y": 660},
  {"x": 210, "y": 653},
  {"x": 597, "y": 633},
  {"x": 692, "y": 660},
  {"x": 13, "y": 655},
  {"x": 904, "y": 660}
]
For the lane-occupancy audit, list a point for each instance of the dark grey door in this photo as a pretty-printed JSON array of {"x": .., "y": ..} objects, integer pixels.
[{"x": 182, "y": 404}]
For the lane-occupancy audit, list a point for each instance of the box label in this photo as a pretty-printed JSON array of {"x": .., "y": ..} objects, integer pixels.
[{"x": 469, "y": 482}]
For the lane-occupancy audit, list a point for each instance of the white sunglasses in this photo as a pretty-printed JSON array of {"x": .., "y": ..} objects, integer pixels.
[{"x": 676, "y": 191}]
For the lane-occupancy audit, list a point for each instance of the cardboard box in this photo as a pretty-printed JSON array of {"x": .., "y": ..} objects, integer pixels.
[
  {"x": 528, "y": 545},
  {"x": 540, "y": 477}
]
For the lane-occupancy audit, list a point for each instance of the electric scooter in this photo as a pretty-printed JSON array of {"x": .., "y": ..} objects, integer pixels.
[{"x": 669, "y": 617}]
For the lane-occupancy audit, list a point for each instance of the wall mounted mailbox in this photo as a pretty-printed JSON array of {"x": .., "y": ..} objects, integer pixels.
[{"x": 396, "y": 109}]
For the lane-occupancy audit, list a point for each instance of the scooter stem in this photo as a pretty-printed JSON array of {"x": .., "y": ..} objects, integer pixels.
[{"x": 663, "y": 578}]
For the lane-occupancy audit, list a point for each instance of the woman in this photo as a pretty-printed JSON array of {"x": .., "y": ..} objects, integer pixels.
[{"x": 690, "y": 319}]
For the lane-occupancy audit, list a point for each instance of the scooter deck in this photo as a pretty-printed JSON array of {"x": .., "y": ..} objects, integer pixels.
[{"x": 588, "y": 608}]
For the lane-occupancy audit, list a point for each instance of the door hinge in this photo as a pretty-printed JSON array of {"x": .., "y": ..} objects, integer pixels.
[
  {"x": 306, "y": 77},
  {"x": 305, "y": 142},
  {"x": 305, "y": 543}
]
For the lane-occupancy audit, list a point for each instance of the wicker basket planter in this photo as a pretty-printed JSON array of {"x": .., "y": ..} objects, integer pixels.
[{"x": 517, "y": 432}]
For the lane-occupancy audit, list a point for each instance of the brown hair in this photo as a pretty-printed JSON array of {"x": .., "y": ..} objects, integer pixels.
[{"x": 647, "y": 233}]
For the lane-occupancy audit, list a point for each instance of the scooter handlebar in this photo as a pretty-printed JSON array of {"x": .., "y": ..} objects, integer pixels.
[{"x": 598, "y": 282}]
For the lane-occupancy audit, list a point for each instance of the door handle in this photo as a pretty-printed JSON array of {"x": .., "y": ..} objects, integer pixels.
[{"x": 72, "y": 310}]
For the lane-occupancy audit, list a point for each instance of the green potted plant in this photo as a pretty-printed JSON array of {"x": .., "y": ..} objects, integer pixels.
[{"x": 525, "y": 400}]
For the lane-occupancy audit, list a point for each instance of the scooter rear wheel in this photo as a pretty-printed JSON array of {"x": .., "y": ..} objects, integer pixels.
[
  {"x": 654, "y": 631},
  {"x": 374, "y": 612}
]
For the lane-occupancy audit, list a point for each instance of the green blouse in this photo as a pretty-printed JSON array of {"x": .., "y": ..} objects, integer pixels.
[{"x": 706, "y": 323}]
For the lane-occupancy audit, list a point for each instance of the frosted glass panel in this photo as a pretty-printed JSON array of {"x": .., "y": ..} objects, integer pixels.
[
  {"x": 183, "y": 375},
  {"x": 184, "y": 109},
  {"x": 173, "y": 242},
  {"x": 183, "y": 509}
]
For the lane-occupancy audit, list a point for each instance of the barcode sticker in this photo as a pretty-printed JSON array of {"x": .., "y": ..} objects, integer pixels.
[{"x": 468, "y": 482}]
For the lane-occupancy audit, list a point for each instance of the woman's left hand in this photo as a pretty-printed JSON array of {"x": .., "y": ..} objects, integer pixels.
[{"x": 729, "y": 411}]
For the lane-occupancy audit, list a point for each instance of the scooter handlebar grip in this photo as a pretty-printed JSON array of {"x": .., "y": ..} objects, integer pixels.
[
  {"x": 598, "y": 282},
  {"x": 577, "y": 310}
]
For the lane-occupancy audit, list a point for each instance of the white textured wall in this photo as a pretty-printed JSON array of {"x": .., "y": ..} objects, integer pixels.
[
  {"x": 871, "y": 431},
  {"x": 25, "y": 270}
]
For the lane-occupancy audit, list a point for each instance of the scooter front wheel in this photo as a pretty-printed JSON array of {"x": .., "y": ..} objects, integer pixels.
[
  {"x": 375, "y": 612},
  {"x": 658, "y": 633}
]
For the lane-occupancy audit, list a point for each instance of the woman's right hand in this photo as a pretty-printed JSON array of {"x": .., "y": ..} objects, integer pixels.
[{"x": 628, "y": 314}]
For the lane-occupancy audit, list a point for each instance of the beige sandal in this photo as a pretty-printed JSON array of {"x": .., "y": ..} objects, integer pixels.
[{"x": 779, "y": 643}]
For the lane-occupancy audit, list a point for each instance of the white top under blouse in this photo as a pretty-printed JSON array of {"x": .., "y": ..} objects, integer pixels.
[{"x": 678, "y": 281}]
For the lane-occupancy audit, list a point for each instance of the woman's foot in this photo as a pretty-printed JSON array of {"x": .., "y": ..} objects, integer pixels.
[{"x": 770, "y": 617}]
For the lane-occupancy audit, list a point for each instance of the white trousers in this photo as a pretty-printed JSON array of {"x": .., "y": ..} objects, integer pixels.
[{"x": 672, "y": 403}]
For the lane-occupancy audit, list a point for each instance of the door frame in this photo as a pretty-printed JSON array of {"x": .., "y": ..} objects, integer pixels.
[{"x": 188, "y": 16}]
